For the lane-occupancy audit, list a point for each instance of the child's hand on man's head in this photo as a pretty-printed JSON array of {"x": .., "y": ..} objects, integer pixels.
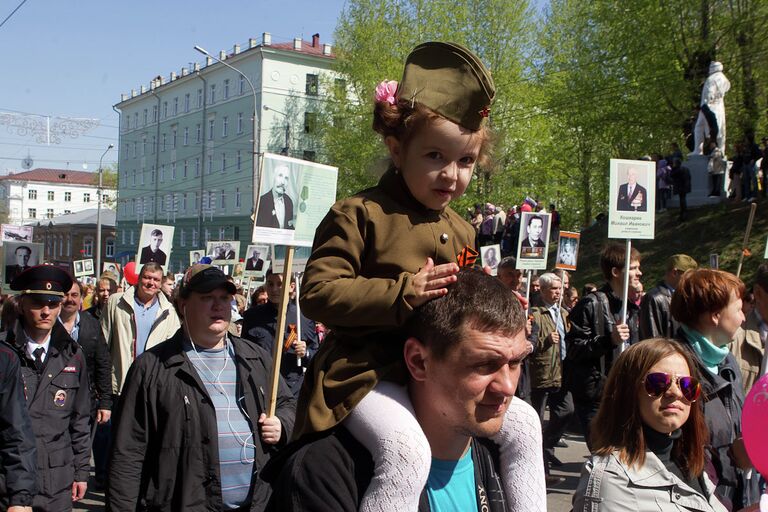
[{"x": 430, "y": 282}]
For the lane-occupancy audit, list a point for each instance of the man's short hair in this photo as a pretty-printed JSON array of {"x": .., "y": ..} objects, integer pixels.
[
  {"x": 152, "y": 266},
  {"x": 612, "y": 257},
  {"x": 22, "y": 247},
  {"x": 110, "y": 282},
  {"x": 548, "y": 279},
  {"x": 156, "y": 232},
  {"x": 535, "y": 217},
  {"x": 761, "y": 278},
  {"x": 476, "y": 300},
  {"x": 507, "y": 262}
]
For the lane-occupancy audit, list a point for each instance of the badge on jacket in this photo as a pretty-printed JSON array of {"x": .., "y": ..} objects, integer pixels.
[{"x": 60, "y": 398}]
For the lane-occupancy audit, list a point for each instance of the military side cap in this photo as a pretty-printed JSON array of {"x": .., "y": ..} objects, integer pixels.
[
  {"x": 681, "y": 262},
  {"x": 203, "y": 278},
  {"x": 450, "y": 80},
  {"x": 45, "y": 280}
]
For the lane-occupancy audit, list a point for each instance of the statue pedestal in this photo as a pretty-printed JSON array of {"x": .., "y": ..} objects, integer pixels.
[{"x": 701, "y": 185}]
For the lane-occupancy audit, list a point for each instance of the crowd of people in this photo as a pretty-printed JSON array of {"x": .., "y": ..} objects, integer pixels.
[{"x": 409, "y": 378}]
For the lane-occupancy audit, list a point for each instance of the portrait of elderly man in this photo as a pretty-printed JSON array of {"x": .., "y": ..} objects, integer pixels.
[
  {"x": 152, "y": 252},
  {"x": 632, "y": 196},
  {"x": 18, "y": 263},
  {"x": 275, "y": 205}
]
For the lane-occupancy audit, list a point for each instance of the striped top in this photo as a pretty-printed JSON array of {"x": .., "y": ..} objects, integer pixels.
[{"x": 216, "y": 368}]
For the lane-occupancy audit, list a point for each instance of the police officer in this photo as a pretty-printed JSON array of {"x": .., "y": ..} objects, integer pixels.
[{"x": 55, "y": 386}]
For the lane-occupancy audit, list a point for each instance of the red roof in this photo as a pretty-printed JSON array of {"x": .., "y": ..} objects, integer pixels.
[
  {"x": 53, "y": 176},
  {"x": 306, "y": 47}
]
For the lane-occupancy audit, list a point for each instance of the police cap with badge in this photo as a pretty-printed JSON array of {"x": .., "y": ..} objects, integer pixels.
[{"x": 43, "y": 282}]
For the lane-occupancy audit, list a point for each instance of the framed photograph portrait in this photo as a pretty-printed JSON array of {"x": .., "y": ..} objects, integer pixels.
[
  {"x": 195, "y": 256},
  {"x": 490, "y": 255},
  {"x": 223, "y": 252},
  {"x": 19, "y": 256},
  {"x": 257, "y": 260},
  {"x": 114, "y": 268},
  {"x": 533, "y": 241},
  {"x": 11, "y": 233},
  {"x": 294, "y": 196},
  {"x": 83, "y": 268},
  {"x": 155, "y": 244},
  {"x": 567, "y": 250},
  {"x": 632, "y": 199}
]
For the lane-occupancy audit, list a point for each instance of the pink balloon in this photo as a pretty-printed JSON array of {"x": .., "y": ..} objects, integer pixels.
[
  {"x": 129, "y": 272},
  {"x": 754, "y": 424}
]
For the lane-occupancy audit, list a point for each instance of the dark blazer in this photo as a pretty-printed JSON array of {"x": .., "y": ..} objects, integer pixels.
[
  {"x": 538, "y": 243},
  {"x": 230, "y": 255},
  {"x": 11, "y": 271},
  {"x": 266, "y": 217},
  {"x": 147, "y": 255},
  {"x": 624, "y": 202},
  {"x": 251, "y": 265},
  {"x": 97, "y": 359}
]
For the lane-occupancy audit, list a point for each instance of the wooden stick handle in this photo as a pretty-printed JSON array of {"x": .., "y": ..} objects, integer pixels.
[
  {"x": 744, "y": 244},
  {"x": 277, "y": 345}
]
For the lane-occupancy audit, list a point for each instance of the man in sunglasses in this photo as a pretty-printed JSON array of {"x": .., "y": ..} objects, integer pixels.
[{"x": 55, "y": 381}]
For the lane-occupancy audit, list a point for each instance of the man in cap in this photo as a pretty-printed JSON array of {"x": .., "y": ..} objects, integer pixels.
[
  {"x": 655, "y": 319},
  {"x": 191, "y": 430},
  {"x": 55, "y": 380}
]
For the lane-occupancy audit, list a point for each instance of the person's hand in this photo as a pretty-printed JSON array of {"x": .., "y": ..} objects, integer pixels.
[
  {"x": 620, "y": 334},
  {"x": 271, "y": 429},
  {"x": 554, "y": 338},
  {"x": 739, "y": 454},
  {"x": 528, "y": 326},
  {"x": 78, "y": 490},
  {"x": 103, "y": 415},
  {"x": 430, "y": 282},
  {"x": 19, "y": 508},
  {"x": 300, "y": 347}
]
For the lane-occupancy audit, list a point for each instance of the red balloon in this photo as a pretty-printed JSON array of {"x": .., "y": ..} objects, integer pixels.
[{"x": 129, "y": 272}]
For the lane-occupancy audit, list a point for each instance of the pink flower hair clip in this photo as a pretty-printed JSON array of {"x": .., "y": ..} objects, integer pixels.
[{"x": 386, "y": 91}]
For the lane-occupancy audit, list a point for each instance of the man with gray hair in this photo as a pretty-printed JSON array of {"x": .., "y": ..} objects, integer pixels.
[
  {"x": 276, "y": 206},
  {"x": 546, "y": 363}
]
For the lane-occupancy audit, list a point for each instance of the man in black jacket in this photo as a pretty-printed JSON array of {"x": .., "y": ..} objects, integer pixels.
[
  {"x": 191, "y": 428},
  {"x": 55, "y": 377},
  {"x": 18, "y": 480},
  {"x": 461, "y": 379},
  {"x": 655, "y": 319},
  {"x": 598, "y": 334}
]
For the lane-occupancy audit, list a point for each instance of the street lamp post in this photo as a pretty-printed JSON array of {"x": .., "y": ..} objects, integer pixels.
[
  {"x": 287, "y": 128},
  {"x": 256, "y": 134},
  {"x": 98, "y": 214}
]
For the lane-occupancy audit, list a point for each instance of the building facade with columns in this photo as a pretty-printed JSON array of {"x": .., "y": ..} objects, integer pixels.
[{"x": 187, "y": 141}]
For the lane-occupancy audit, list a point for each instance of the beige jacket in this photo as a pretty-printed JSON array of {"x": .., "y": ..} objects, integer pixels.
[
  {"x": 119, "y": 326},
  {"x": 748, "y": 349},
  {"x": 608, "y": 485}
]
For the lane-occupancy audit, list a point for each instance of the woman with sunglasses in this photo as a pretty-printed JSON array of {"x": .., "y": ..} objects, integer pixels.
[
  {"x": 707, "y": 304},
  {"x": 648, "y": 436}
]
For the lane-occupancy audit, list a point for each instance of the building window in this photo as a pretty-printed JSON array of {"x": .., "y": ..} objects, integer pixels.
[
  {"x": 136, "y": 120},
  {"x": 199, "y": 98},
  {"x": 238, "y": 198},
  {"x": 154, "y": 113},
  {"x": 223, "y": 200},
  {"x": 144, "y": 145},
  {"x": 174, "y": 133},
  {"x": 310, "y": 155},
  {"x": 162, "y": 173},
  {"x": 197, "y": 167},
  {"x": 199, "y": 132},
  {"x": 87, "y": 246},
  {"x": 197, "y": 201},
  {"x": 132, "y": 241},
  {"x": 211, "y": 128},
  {"x": 310, "y": 122},
  {"x": 186, "y": 135},
  {"x": 186, "y": 167},
  {"x": 86, "y": 197},
  {"x": 224, "y": 126},
  {"x": 145, "y": 117},
  {"x": 239, "y": 160},
  {"x": 176, "y": 105},
  {"x": 186, "y": 102},
  {"x": 32, "y": 194},
  {"x": 209, "y": 170},
  {"x": 49, "y": 213},
  {"x": 152, "y": 175},
  {"x": 173, "y": 170},
  {"x": 226, "y": 89},
  {"x": 67, "y": 212},
  {"x": 182, "y": 238},
  {"x": 67, "y": 196},
  {"x": 194, "y": 237},
  {"x": 32, "y": 213},
  {"x": 212, "y": 95},
  {"x": 154, "y": 144},
  {"x": 223, "y": 162},
  {"x": 109, "y": 251},
  {"x": 164, "y": 138},
  {"x": 183, "y": 202},
  {"x": 222, "y": 233},
  {"x": 240, "y": 122},
  {"x": 123, "y": 235},
  {"x": 133, "y": 178},
  {"x": 50, "y": 195},
  {"x": 128, "y": 122},
  {"x": 241, "y": 87},
  {"x": 165, "y": 110},
  {"x": 311, "y": 84}
]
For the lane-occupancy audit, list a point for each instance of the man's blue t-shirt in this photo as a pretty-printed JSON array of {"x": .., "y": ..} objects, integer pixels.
[{"x": 451, "y": 485}]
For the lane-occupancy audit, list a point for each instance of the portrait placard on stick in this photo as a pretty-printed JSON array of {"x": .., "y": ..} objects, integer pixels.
[
  {"x": 223, "y": 252},
  {"x": 533, "y": 241},
  {"x": 11, "y": 233},
  {"x": 567, "y": 250},
  {"x": 195, "y": 256},
  {"x": 83, "y": 268},
  {"x": 257, "y": 259},
  {"x": 632, "y": 199},
  {"x": 294, "y": 196},
  {"x": 19, "y": 256},
  {"x": 155, "y": 245},
  {"x": 489, "y": 255}
]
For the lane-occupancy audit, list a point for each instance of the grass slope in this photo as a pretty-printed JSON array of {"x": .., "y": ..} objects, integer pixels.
[{"x": 708, "y": 230}]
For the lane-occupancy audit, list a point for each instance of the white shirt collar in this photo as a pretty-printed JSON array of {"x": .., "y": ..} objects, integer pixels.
[{"x": 32, "y": 345}]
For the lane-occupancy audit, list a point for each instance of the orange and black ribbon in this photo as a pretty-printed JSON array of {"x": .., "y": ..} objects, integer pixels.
[
  {"x": 467, "y": 257},
  {"x": 292, "y": 336}
]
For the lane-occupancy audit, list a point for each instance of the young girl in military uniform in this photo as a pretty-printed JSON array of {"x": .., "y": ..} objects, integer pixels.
[{"x": 385, "y": 251}]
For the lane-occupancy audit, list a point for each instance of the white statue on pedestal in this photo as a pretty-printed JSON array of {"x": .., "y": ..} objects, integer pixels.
[{"x": 711, "y": 120}]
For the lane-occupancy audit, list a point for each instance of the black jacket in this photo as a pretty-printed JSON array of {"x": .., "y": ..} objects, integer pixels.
[
  {"x": 97, "y": 359},
  {"x": 655, "y": 318},
  {"x": 723, "y": 398},
  {"x": 259, "y": 324},
  {"x": 589, "y": 349},
  {"x": 59, "y": 408},
  {"x": 165, "y": 452},
  {"x": 333, "y": 471},
  {"x": 18, "y": 479}
]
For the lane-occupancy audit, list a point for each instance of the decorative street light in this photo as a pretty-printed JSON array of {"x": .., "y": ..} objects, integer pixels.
[
  {"x": 98, "y": 214},
  {"x": 287, "y": 129}
]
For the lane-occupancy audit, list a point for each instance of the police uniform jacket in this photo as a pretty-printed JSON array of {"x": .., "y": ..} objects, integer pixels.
[
  {"x": 357, "y": 281},
  {"x": 165, "y": 452},
  {"x": 59, "y": 406},
  {"x": 18, "y": 480}
]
